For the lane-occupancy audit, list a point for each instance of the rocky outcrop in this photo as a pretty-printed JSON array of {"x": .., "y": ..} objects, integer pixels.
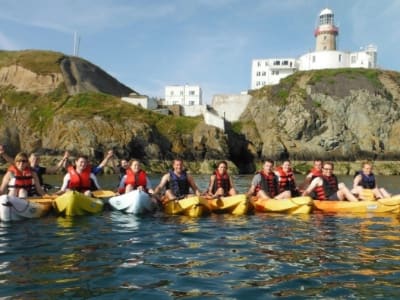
[
  {"x": 81, "y": 76},
  {"x": 27, "y": 81},
  {"x": 346, "y": 115}
]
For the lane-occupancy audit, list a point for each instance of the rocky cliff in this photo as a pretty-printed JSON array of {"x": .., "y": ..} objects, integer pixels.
[
  {"x": 51, "y": 103},
  {"x": 344, "y": 114}
]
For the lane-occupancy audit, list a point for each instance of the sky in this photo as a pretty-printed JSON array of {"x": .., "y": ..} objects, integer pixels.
[{"x": 148, "y": 44}]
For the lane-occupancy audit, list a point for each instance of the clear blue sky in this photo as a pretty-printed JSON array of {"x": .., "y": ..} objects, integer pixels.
[{"x": 147, "y": 44}]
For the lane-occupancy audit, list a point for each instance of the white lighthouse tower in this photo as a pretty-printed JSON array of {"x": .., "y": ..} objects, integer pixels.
[{"x": 326, "y": 32}]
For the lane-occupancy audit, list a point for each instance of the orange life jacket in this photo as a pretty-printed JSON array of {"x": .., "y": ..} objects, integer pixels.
[
  {"x": 221, "y": 181},
  {"x": 286, "y": 180},
  {"x": 135, "y": 179},
  {"x": 269, "y": 184},
  {"x": 23, "y": 179},
  {"x": 329, "y": 187},
  {"x": 79, "y": 182},
  {"x": 315, "y": 173}
]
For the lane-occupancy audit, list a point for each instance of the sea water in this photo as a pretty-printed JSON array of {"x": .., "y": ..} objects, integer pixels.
[{"x": 262, "y": 256}]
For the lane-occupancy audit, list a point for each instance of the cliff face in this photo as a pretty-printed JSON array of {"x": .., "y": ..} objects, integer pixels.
[
  {"x": 51, "y": 103},
  {"x": 341, "y": 114}
]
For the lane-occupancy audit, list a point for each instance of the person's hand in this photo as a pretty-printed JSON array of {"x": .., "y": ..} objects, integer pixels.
[
  {"x": 2, "y": 150},
  {"x": 110, "y": 153},
  {"x": 66, "y": 155}
]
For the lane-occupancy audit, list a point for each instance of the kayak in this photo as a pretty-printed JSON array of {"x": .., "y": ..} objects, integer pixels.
[
  {"x": 191, "y": 206},
  {"x": 135, "y": 202},
  {"x": 16, "y": 209},
  {"x": 235, "y": 205},
  {"x": 295, "y": 205},
  {"x": 379, "y": 206},
  {"x": 73, "y": 203}
]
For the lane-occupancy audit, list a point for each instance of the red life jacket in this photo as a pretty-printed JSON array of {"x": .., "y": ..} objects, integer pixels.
[
  {"x": 286, "y": 180},
  {"x": 269, "y": 184},
  {"x": 315, "y": 173},
  {"x": 23, "y": 179},
  {"x": 221, "y": 181},
  {"x": 135, "y": 179},
  {"x": 79, "y": 182},
  {"x": 329, "y": 187}
]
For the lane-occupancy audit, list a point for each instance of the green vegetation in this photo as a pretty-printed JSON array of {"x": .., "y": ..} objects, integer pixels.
[
  {"x": 328, "y": 75},
  {"x": 237, "y": 127},
  {"x": 17, "y": 99},
  {"x": 40, "y": 62}
]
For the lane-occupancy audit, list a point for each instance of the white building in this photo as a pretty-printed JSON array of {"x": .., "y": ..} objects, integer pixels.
[
  {"x": 325, "y": 56},
  {"x": 185, "y": 95},
  {"x": 143, "y": 101}
]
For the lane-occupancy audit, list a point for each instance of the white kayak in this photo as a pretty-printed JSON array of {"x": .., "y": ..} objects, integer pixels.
[
  {"x": 16, "y": 209},
  {"x": 135, "y": 202}
]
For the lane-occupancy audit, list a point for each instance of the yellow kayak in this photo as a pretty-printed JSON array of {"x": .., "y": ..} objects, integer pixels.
[
  {"x": 73, "y": 203},
  {"x": 296, "y": 205},
  {"x": 379, "y": 206},
  {"x": 235, "y": 205},
  {"x": 192, "y": 207},
  {"x": 45, "y": 202}
]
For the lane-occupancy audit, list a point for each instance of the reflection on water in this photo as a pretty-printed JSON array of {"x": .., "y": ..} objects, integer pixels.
[{"x": 261, "y": 256}]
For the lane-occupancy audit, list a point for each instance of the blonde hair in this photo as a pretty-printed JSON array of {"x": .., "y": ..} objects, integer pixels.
[{"x": 21, "y": 156}]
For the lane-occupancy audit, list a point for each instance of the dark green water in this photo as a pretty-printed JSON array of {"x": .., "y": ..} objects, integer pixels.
[{"x": 261, "y": 256}]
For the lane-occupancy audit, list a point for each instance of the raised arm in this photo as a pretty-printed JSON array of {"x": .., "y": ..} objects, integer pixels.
[
  {"x": 63, "y": 163},
  {"x": 5, "y": 156}
]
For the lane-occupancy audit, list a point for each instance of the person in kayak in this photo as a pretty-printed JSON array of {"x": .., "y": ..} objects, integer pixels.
[
  {"x": 286, "y": 179},
  {"x": 265, "y": 184},
  {"x": 80, "y": 178},
  {"x": 177, "y": 183},
  {"x": 135, "y": 179},
  {"x": 327, "y": 187},
  {"x": 365, "y": 185},
  {"x": 221, "y": 184},
  {"x": 20, "y": 180}
]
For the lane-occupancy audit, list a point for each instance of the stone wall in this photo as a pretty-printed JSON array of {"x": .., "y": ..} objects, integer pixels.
[{"x": 230, "y": 107}]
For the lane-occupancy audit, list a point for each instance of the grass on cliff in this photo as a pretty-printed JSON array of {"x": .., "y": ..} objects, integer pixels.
[
  {"x": 113, "y": 109},
  {"x": 328, "y": 75},
  {"x": 40, "y": 62}
]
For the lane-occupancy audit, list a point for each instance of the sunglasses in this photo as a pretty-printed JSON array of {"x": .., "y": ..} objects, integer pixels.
[{"x": 22, "y": 160}]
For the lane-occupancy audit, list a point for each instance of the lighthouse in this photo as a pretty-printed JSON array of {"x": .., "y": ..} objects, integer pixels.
[{"x": 326, "y": 32}]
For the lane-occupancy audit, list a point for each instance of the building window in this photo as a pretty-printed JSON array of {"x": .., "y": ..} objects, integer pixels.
[
  {"x": 340, "y": 57},
  {"x": 277, "y": 62},
  {"x": 353, "y": 59},
  {"x": 264, "y": 73},
  {"x": 258, "y": 64},
  {"x": 313, "y": 58},
  {"x": 171, "y": 93},
  {"x": 192, "y": 93},
  {"x": 191, "y": 102},
  {"x": 258, "y": 73},
  {"x": 181, "y": 93},
  {"x": 285, "y": 63}
]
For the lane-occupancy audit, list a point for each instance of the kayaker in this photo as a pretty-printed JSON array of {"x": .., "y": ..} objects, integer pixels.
[
  {"x": 265, "y": 184},
  {"x": 20, "y": 180},
  {"x": 34, "y": 162},
  {"x": 177, "y": 183},
  {"x": 221, "y": 184},
  {"x": 286, "y": 179},
  {"x": 365, "y": 181},
  {"x": 327, "y": 187},
  {"x": 80, "y": 177},
  {"x": 135, "y": 178}
]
